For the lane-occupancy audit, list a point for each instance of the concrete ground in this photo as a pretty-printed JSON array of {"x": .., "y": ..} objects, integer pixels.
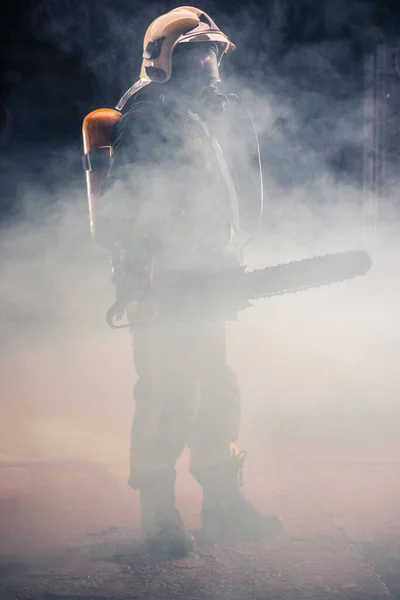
[{"x": 69, "y": 529}]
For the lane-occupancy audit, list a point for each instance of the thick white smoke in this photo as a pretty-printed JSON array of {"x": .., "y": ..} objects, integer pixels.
[{"x": 312, "y": 360}]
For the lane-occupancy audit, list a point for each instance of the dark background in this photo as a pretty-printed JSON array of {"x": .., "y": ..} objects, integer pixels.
[{"x": 63, "y": 58}]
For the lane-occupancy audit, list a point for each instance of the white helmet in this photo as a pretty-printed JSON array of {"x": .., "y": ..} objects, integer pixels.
[{"x": 181, "y": 25}]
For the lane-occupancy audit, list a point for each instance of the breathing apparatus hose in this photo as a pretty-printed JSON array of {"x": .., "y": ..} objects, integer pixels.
[
  {"x": 260, "y": 169},
  {"x": 210, "y": 104}
]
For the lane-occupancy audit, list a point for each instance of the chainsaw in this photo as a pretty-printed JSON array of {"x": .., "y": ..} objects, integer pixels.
[{"x": 183, "y": 296}]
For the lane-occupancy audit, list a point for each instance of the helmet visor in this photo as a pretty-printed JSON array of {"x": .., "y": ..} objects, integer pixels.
[{"x": 195, "y": 64}]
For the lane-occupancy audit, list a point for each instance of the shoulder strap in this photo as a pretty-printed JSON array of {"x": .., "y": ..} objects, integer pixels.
[
  {"x": 225, "y": 172},
  {"x": 134, "y": 89}
]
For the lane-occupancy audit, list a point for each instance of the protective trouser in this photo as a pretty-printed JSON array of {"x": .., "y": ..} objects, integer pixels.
[{"x": 186, "y": 395}]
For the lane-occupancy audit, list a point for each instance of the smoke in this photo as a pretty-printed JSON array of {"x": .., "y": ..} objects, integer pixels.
[{"x": 318, "y": 357}]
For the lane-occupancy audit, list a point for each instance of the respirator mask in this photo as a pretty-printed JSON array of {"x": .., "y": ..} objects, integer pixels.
[{"x": 196, "y": 74}]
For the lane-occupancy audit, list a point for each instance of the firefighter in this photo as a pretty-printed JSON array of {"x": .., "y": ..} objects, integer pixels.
[{"x": 167, "y": 211}]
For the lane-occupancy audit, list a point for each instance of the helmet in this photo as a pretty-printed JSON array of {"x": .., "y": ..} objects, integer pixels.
[{"x": 185, "y": 24}]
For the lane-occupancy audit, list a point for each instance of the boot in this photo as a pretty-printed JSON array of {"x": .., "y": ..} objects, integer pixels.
[
  {"x": 161, "y": 522},
  {"x": 226, "y": 514}
]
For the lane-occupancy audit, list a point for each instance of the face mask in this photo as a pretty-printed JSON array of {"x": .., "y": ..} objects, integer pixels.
[{"x": 194, "y": 66}]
